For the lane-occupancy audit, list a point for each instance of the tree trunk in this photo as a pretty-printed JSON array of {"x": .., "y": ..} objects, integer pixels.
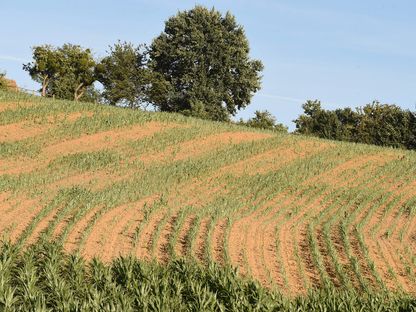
[
  {"x": 77, "y": 95},
  {"x": 44, "y": 85}
]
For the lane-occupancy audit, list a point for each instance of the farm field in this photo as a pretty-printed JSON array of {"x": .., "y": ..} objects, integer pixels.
[{"x": 291, "y": 212}]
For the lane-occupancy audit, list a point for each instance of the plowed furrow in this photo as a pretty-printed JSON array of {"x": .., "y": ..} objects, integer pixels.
[
  {"x": 253, "y": 250},
  {"x": 378, "y": 224},
  {"x": 182, "y": 247},
  {"x": 284, "y": 232},
  {"x": 260, "y": 267},
  {"x": 163, "y": 252},
  {"x": 14, "y": 106},
  {"x": 144, "y": 245},
  {"x": 42, "y": 225},
  {"x": 218, "y": 238},
  {"x": 199, "y": 246},
  {"x": 342, "y": 256},
  {"x": 15, "y": 221},
  {"x": 237, "y": 237},
  {"x": 75, "y": 235},
  {"x": 305, "y": 254},
  {"x": 397, "y": 266},
  {"x": 121, "y": 236},
  {"x": 269, "y": 253}
]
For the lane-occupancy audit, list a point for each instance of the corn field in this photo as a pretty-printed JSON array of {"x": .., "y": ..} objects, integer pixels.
[
  {"x": 45, "y": 278},
  {"x": 293, "y": 213}
]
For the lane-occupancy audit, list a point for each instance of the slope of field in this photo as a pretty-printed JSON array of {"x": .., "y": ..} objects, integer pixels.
[{"x": 290, "y": 211}]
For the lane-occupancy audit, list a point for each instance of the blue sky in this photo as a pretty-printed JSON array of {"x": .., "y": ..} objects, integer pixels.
[{"x": 345, "y": 53}]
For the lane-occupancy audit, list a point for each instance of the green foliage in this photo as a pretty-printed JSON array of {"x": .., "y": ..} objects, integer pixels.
[
  {"x": 123, "y": 75},
  {"x": 264, "y": 120},
  {"x": 375, "y": 123},
  {"x": 47, "y": 61},
  {"x": 66, "y": 72},
  {"x": 44, "y": 278},
  {"x": 76, "y": 73},
  {"x": 203, "y": 63}
]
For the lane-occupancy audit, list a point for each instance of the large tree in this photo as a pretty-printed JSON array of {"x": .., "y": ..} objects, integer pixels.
[
  {"x": 66, "y": 72},
  {"x": 123, "y": 75},
  {"x": 204, "y": 65},
  {"x": 46, "y": 64},
  {"x": 76, "y": 73}
]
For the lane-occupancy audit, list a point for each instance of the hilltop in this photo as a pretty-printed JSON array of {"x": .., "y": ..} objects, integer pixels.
[{"x": 292, "y": 212}]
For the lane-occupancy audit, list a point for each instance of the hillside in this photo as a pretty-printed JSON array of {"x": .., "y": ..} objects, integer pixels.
[{"x": 290, "y": 211}]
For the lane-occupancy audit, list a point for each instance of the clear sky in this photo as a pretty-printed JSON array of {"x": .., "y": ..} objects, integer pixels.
[{"x": 344, "y": 53}]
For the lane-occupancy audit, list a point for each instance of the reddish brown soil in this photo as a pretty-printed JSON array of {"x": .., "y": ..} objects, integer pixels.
[
  {"x": 109, "y": 238},
  {"x": 20, "y": 217},
  {"x": 253, "y": 239},
  {"x": 121, "y": 234},
  {"x": 162, "y": 245},
  {"x": 75, "y": 235},
  {"x": 384, "y": 244},
  {"x": 218, "y": 237},
  {"x": 20, "y": 131},
  {"x": 288, "y": 258},
  {"x": 16, "y": 166},
  {"x": 143, "y": 250},
  {"x": 41, "y": 226},
  {"x": 200, "y": 247},
  {"x": 24, "y": 129},
  {"x": 182, "y": 249}
]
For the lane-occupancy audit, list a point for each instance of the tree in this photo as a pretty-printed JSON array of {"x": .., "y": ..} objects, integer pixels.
[
  {"x": 203, "y": 61},
  {"x": 66, "y": 72},
  {"x": 45, "y": 66},
  {"x": 375, "y": 123},
  {"x": 76, "y": 73},
  {"x": 124, "y": 75},
  {"x": 384, "y": 124},
  {"x": 265, "y": 120},
  {"x": 3, "y": 83}
]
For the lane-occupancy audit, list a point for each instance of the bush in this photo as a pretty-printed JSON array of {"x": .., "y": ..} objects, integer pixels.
[{"x": 264, "y": 120}]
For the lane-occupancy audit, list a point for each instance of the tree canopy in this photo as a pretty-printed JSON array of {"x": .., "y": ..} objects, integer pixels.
[
  {"x": 47, "y": 61},
  {"x": 123, "y": 75},
  {"x": 65, "y": 72},
  {"x": 204, "y": 65}
]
